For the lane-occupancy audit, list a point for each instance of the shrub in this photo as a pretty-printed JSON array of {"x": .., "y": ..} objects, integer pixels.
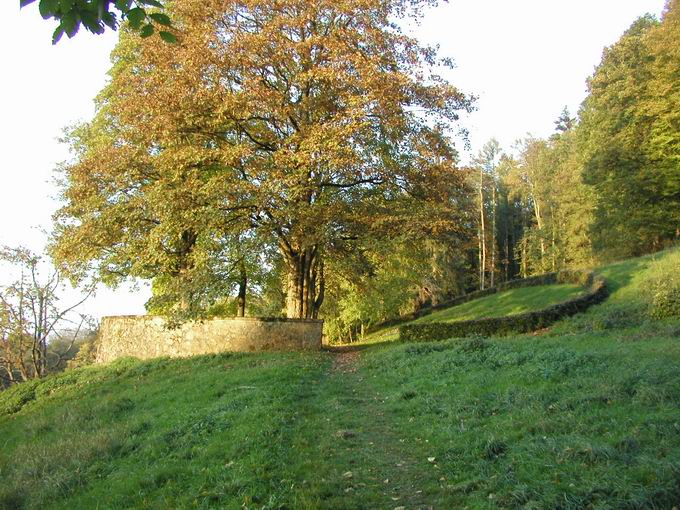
[
  {"x": 474, "y": 344},
  {"x": 663, "y": 296},
  {"x": 666, "y": 299},
  {"x": 16, "y": 397},
  {"x": 86, "y": 354}
]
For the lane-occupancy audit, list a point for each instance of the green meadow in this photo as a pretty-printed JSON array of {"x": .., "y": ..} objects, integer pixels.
[{"x": 582, "y": 416}]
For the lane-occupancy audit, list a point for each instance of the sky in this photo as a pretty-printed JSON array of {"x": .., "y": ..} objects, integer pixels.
[{"x": 523, "y": 59}]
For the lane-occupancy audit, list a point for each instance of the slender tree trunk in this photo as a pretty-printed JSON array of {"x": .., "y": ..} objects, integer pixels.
[
  {"x": 482, "y": 232},
  {"x": 553, "y": 248},
  {"x": 524, "y": 244},
  {"x": 320, "y": 283},
  {"x": 508, "y": 224},
  {"x": 242, "y": 289},
  {"x": 493, "y": 232},
  {"x": 539, "y": 224},
  {"x": 479, "y": 257}
]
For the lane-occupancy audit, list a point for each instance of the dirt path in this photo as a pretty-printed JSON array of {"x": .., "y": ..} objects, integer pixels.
[
  {"x": 345, "y": 362},
  {"x": 367, "y": 452}
]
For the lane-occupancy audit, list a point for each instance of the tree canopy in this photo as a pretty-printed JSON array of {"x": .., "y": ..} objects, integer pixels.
[
  {"x": 307, "y": 127},
  {"x": 629, "y": 129}
]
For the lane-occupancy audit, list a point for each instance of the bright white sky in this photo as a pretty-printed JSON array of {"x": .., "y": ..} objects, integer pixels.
[{"x": 524, "y": 59}]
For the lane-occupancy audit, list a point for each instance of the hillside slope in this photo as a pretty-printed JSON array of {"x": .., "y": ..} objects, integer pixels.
[
  {"x": 508, "y": 302},
  {"x": 584, "y": 416}
]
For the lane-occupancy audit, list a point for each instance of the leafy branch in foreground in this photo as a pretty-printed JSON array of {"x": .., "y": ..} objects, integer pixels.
[{"x": 97, "y": 15}]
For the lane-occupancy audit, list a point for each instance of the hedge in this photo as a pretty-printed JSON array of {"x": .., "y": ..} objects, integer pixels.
[
  {"x": 519, "y": 323},
  {"x": 577, "y": 277}
]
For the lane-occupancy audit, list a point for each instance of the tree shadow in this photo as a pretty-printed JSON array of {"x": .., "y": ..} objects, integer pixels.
[{"x": 619, "y": 275}]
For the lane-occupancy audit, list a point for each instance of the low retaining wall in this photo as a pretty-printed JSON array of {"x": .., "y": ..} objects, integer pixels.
[
  {"x": 146, "y": 337},
  {"x": 576, "y": 277},
  {"x": 519, "y": 323}
]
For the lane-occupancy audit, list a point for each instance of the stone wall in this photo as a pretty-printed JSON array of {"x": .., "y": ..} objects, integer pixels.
[
  {"x": 582, "y": 277},
  {"x": 517, "y": 323},
  {"x": 146, "y": 337}
]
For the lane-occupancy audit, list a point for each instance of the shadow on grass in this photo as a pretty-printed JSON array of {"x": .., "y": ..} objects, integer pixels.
[
  {"x": 620, "y": 274},
  {"x": 358, "y": 346}
]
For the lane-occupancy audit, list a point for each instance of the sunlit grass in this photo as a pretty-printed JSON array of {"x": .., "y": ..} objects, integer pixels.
[
  {"x": 510, "y": 302},
  {"x": 582, "y": 416}
]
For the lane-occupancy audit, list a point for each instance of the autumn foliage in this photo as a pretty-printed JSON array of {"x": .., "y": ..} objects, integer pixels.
[{"x": 307, "y": 127}]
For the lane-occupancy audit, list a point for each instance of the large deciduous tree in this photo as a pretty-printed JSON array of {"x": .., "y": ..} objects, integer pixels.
[{"x": 306, "y": 125}]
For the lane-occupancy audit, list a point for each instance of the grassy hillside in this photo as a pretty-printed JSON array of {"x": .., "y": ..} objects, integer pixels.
[
  {"x": 509, "y": 302},
  {"x": 584, "y": 416}
]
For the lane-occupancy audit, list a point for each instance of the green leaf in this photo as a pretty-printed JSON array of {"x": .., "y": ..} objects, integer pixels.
[
  {"x": 70, "y": 23},
  {"x": 109, "y": 19},
  {"x": 147, "y": 31},
  {"x": 24, "y": 3},
  {"x": 123, "y": 5},
  {"x": 57, "y": 34},
  {"x": 48, "y": 8},
  {"x": 161, "y": 19},
  {"x": 92, "y": 22},
  {"x": 168, "y": 37},
  {"x": 66, "y": 5},
  {"x": 136, "y": 17},
  {"x": 153, "y": 3}
]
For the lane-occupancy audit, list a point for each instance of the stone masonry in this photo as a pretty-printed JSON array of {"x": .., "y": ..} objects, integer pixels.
[{"x": 147, "y": 337}]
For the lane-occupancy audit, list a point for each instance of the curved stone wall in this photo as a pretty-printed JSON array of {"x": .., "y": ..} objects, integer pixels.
[
  {"x": 518, "y": 323},
  {"x": 582, "y": 277},
  {"x": 146, "y": 337}
]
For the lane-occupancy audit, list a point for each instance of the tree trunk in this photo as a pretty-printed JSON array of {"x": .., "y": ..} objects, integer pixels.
[
  {"x": 524, "y": 245},
  {"x": 305, "y": 283},
  {"x": 493, "y": 232},
  {"x": 320, "y": 281},
  {"x": 509, "y": 223},
  {"x": 242, "y": 287},
  {"x": 184, "y": 266},
  {"x": 539, "y": 224},
  {"x": 482, "y": 232},
  {"x": 479, "y": 257},
  {"x": 554, "y": 247}
]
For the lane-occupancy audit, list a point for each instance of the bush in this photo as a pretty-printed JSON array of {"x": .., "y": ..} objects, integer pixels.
[
  {"x": 86, "y": 354},
  {"x": 666, "y": 300},
  {"x": 17, "y": 396}
]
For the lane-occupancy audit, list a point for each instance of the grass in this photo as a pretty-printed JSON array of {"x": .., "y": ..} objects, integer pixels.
[
  {"x": 584, "y": 416},
  {"x": 509, "y": 302}
]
